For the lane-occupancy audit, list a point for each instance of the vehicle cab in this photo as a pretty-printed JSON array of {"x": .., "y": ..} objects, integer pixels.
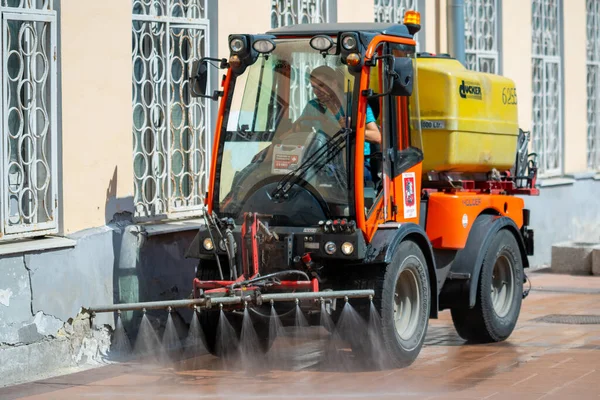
[{"x": 315, "y": 122}]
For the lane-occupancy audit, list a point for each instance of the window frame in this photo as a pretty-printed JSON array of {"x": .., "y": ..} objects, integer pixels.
[
  {"x": 476, "y": 51},
  {"x": 40, "y": 12},
  {"x": 593, "y": 87},
  {"x": 202, "y": 135},
  {"x": 540, "y": 140}
]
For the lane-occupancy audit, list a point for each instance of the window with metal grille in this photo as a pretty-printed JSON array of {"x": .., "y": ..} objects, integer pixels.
[
  {"x": 29, "y": 134},
  {"x": 481, "y": 35},
  {"x": 593, "y": 84},
  {"x": 290, "y": 12},
  {"x": 393, "y": 11},
  {"x": 547, "y": 94},
  {"x": 170, "y": 134}
]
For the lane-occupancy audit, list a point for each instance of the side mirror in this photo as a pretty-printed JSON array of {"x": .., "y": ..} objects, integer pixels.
[
  {"x": 402, "y": 76},
  {"x": 199, "y": 78}
]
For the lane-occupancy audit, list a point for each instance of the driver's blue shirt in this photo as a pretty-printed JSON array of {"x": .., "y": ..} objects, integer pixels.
[{"x": 316, "y": 109}]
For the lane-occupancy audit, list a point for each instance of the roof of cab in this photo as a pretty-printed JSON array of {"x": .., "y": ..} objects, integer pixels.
[{"x": 317, "y": 29}]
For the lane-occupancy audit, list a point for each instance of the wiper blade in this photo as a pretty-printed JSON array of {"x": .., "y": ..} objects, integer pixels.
[{"x": 330, "y": 149}]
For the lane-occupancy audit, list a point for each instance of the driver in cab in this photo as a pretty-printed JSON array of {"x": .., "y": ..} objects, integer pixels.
[{"x": 327, "y": 108}]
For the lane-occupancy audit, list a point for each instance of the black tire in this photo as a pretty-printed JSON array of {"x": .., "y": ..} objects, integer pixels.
[
  {"x": 406, "y": 273},
  {"x": 483, "y": 323}
]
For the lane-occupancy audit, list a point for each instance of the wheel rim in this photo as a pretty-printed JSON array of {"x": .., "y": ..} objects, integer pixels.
[
  {"x": 407, "y": 304},
  {"x": 503, "y": 286}
]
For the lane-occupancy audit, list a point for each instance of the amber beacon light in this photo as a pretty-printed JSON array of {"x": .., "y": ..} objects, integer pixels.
[{"x": 412, "y": 20}]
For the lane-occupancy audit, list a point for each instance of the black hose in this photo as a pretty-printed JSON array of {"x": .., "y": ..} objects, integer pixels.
[
  {"x": 230, "y": 246},
  {"x": 272, "y": 275}
]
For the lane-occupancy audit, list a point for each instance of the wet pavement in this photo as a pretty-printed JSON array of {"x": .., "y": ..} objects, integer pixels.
[{"x": 541, "y": 360}]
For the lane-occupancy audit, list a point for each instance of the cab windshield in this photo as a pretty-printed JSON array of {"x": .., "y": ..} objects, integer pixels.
[{"x": 289, "y": 114}]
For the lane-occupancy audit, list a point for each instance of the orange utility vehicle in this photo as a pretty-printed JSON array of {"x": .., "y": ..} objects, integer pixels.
[
  {"x": 347, "y": 166},
  {"x": 426, "y": 219}
]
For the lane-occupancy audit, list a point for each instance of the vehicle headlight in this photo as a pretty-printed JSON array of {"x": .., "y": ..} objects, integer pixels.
[
  {"x": 263, "y": 46},
  {"x": 208, "y": 244},
  {"x": 349, "y": 42},
  {"x": 347, "y": 248},
  {"x": 330, "y": 248},
  {"x": 321, "y": 43},
  {"x": 236, "y": 45}
]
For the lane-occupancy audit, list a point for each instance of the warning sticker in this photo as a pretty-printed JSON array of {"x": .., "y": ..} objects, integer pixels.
[
  {"x": 286, "y": 158},
  {"x": 410, "y": 199}
]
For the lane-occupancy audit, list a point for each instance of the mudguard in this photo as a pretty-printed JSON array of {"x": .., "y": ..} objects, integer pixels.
[
  {"x": 469, "y": 260},
  {"x": 386, "y": 240}
]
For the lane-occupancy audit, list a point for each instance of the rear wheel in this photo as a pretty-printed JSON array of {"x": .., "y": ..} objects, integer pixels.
[
  {"x": 499, "y": 294},
  {"x": 402, "y": 299}
]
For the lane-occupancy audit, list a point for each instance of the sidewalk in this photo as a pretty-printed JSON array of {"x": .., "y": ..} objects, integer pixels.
[{"x": 541, "y": 360}]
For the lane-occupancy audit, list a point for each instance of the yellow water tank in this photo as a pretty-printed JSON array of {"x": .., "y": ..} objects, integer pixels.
[{"x": 468, "y": 119}]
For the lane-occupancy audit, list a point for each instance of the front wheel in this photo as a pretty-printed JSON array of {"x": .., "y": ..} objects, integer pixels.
[
  {"x": 499, "y": 294},
  {"x": 403, "y": 300}
]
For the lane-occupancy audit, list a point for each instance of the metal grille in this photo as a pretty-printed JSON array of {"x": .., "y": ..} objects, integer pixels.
[
  {"x": 593, "y": 84},
  {"x": 169, "y": 126},
  {"x": 28, "y": 4},
  {"x": 290, "y": 12},
  {"x": 393, "y": 11},
  {"x": 29, "y": 148},
  {"x": 547, "y": 93},
  {"x": 481, "y": 35}
]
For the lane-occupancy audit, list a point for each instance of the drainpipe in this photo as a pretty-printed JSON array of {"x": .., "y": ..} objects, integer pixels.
[{"x": 456, "y": 29}]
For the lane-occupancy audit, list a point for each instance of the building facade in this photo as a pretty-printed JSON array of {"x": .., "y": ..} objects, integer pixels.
[{"x": 105, "y": 158}]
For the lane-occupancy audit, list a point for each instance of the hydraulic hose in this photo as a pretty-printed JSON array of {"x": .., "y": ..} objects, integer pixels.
[{"x": 272, "y": 275}]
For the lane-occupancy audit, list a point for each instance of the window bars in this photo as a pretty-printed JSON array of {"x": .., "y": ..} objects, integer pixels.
[
  {"x": 547, "y": 94},
  {"x": 393, "y": 11},
  {"x": 29, "y": 108},
  {"x": 170, "y": 128},
  {"x": 481, "y": 35},
  {"x": 290, "y": 12},
  {"x": 593, "y": 84}
]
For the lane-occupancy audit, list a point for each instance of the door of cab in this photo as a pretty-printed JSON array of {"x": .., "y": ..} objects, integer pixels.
[{"x": 395, "y": 163}]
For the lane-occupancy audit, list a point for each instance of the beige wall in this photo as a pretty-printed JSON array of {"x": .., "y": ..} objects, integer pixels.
[
  {"x": 429, "y": 24},
  {"x": 575, "y": 84},
  {"x": 355, "y": 10},
  {"x": 96, "y": 109},
  {"x": 440, "y": 7},
  {"x": 242, "y": 16},
  {"x": 516, "y": 55}
]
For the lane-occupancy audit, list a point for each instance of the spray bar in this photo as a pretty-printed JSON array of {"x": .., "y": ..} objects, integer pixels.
[
  {"x": 316, "y": 295},
  {"x": 208, "y": 302},
  {"x": 204, "y": 302}
]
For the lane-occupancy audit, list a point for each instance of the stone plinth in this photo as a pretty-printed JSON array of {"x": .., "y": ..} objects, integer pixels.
[{"x": 574, "y": 258}]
